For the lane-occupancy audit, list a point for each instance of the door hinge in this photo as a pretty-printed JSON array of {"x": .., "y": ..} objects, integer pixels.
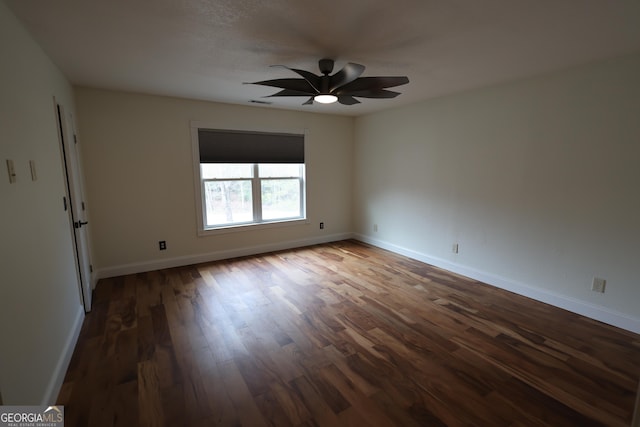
[
  {"x": 75, "y": 139},
  {"x": 83, "y": 205},
  {"x": 64, "y": 202},
  {"x": 90, "y": 268}
]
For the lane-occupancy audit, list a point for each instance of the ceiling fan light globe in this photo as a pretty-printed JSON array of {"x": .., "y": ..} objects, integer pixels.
[{"x": 325, "y": 98}]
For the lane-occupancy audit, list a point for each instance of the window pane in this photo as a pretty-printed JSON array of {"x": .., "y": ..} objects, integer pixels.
[
  {"x": 267, "y": 170},
  {"x": 226, "y": 170},
  {"x": 280, "y": 198},
  {"x": 227, "y": 202}
]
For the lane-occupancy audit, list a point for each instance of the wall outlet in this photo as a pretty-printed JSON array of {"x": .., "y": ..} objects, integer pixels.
[
  {"x": 598, "y": 285},
  {"x": 454, "y": 248},
  {"x": 162, "y": 244},
  {"x": 322, "y": 226},
  {"x": 375, "y": 228}
]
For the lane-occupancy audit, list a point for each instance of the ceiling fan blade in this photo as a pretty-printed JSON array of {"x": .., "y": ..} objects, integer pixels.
[
  {"x": 289, "y": 92},
  {"x": 349, "y": 73},
  {"x": 346, "y": 84},
  {"x": 311, "y": 78},
  {"x": 374, "y": 93},
  {"x": 300, "y": 85},
  {"x": 347, "y": 100},
  {"x": 373, "y": 83}
]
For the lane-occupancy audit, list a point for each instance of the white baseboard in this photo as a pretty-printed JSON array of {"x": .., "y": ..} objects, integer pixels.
[
  {"x": 159, "y": 264},
  {"x": 582, "y": 308},
  {"x": 57, "y": 378}
]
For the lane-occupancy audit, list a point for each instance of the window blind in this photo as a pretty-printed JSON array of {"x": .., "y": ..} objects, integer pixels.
[{"x": 229, "y": 146}]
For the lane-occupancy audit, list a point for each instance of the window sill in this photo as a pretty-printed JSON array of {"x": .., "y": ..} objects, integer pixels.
[{"x": 251, "y": 227}]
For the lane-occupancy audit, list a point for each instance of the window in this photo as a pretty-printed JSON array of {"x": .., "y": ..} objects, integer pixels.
[{"x": 248, "y": 178}]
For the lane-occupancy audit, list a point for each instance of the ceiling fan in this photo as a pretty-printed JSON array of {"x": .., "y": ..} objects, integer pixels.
[{"x": 344, "y": 86}]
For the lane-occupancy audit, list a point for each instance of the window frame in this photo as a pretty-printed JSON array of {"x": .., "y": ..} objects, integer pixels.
[{"x": 256, "y": 181}]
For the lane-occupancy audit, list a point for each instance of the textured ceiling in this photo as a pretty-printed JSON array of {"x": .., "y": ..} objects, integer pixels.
[{"x": 206, "y": 49}]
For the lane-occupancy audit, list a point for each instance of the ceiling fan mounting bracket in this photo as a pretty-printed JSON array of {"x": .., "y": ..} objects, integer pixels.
[{"x": 326, "y": 66}]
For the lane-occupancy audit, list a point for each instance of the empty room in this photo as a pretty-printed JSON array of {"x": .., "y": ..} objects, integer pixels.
[{"x": 292, "y": 213}]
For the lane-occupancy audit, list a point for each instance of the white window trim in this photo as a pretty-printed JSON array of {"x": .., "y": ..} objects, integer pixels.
[{"x": 197, "y": 180}]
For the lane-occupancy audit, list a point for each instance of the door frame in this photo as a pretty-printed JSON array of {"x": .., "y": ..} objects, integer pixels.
[{"x": 74, "y": 202}]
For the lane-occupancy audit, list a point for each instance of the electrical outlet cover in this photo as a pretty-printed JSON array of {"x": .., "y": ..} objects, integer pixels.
[{"x": 598, "y": 285}]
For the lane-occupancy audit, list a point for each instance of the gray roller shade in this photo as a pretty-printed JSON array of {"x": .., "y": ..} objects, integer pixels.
[{"x": 228, "y": 146}]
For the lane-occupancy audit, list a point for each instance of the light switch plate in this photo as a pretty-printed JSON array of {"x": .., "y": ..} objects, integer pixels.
[
  {"x": 12, "y": 171},
  {"x": 32, "y": 166}
]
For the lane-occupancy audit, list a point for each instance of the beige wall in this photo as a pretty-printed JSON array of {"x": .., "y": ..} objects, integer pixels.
[
  {"x": 138, "y": 163},
  {"x": 40, "y": 305},
  {"x": 538, "y": 181}
]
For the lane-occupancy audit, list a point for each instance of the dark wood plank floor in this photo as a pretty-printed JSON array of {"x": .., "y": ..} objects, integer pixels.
[{"x": 340, "y": 334}]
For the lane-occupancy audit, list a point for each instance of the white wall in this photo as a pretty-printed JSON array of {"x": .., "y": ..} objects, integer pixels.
[
  {"x": 40, "y": 309},
  {"x": 138, "y": 163},
  {"x": 538, "y": 181}
]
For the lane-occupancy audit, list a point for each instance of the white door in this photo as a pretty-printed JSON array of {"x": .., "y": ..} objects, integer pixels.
[{"x": 76, "y": 205}]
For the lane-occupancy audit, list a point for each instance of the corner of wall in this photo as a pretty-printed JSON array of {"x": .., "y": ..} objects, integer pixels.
[{"x": 57, "y": 377}]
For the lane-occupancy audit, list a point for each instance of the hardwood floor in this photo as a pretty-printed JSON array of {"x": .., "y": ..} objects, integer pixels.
[{"x": 341, "y": 334}]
